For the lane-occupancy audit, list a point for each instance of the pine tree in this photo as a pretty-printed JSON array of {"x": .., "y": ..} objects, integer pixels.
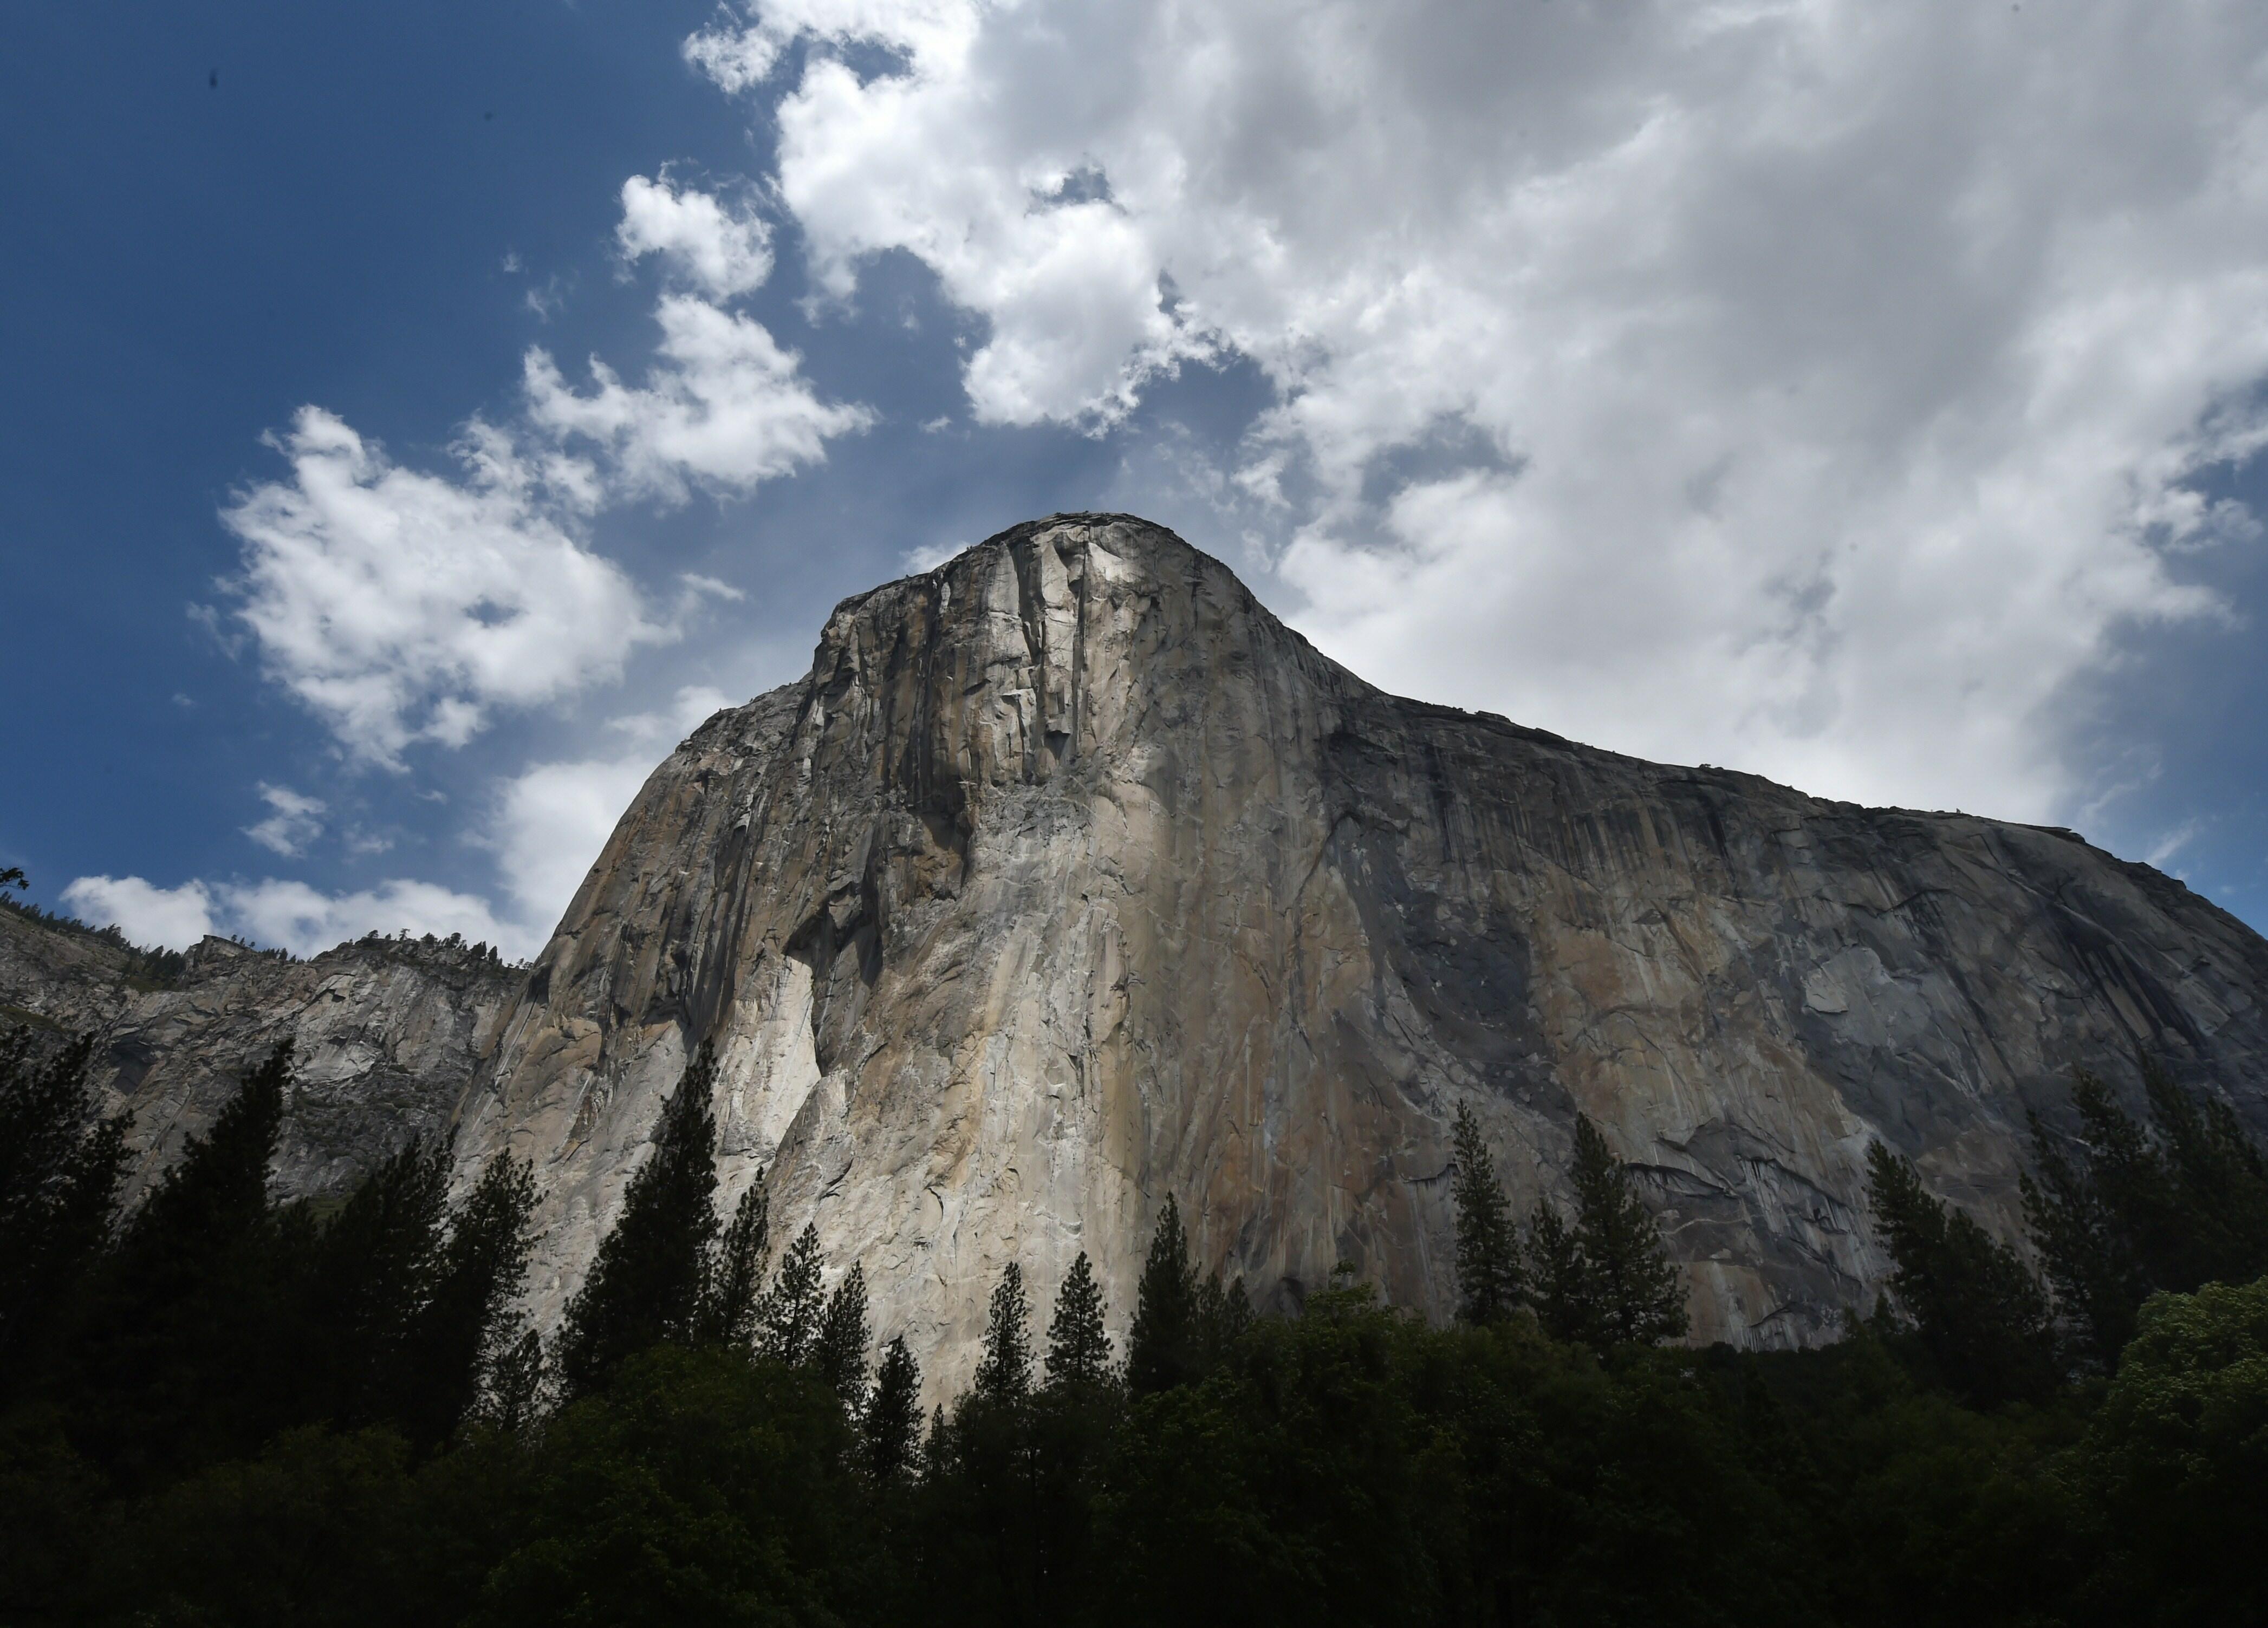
[
  {"x": 1162, "y": 1346},
  {"x": 840, "y": 1351},
  {"x": 218, "y": 1188},
  {"x": 1005, "y": 1372},
  {"x": 1491, "y": 1284},
  {"x": 1605, "y": 1279},
  {"x": 469, "y": 1340},
  {"x": 734, "y": 1278},
  {"x": 512, "y": 1390},
  {"x": 2170, "y": 1206},
  {"x": 182, "y": 1356},
  {"x": 890, "y": 1430},
  {"x": 1637, "y": 1292},
  {"x": 2220, "y": 1186},
  {"x": 369, "y": 1279},
  {"x": 1223, "y": 1313},
  {"x": 1980, "y": 1314},
  {"x": 644, "y": 1286},
  {"x": 60, "y": 1174},
  {"x": 788, "y": 1315},
  {"x": 1079, "y": 1346},
  {"x": 2098, "y": 1279},
  {"x": 1561, "y": 1287}
]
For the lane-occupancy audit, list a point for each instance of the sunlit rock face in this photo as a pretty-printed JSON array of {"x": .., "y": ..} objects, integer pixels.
[
  {"x": 387, "y": 1034},
  {"x": 1071, "y": 879}
]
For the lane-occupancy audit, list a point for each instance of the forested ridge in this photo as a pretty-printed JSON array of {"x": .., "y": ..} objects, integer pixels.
[{"x": 222, "y": 1408}]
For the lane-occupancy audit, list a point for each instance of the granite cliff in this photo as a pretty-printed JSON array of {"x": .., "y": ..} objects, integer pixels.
[{"x": 1070, "y": 877}]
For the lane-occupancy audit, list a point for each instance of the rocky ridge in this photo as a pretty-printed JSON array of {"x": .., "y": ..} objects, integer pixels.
[{"x": 388, "y": 1034}]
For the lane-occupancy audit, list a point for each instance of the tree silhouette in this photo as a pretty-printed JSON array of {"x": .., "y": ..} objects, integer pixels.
[
  {"x": 1491, "y": 1283},
  {"x": 1079, "y": 1346},
  {"x": 1006, "y": 1371},
  {"x": 644, "y": 1286}
]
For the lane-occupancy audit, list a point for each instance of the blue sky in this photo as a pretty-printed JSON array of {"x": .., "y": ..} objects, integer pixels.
[{"x": 418, "y": 414}]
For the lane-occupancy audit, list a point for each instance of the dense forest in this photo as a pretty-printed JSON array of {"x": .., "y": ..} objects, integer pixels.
[{"x": 219, "y": 1408}]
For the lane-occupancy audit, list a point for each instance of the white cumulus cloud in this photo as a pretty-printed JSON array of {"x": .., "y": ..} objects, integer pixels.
[
  {"x": 727, "y": 407},
  {"x": 1808, "y": 384},
  {"x": 402, "y": 606},
  {"x": 304, "y": 920},
  {"x": 725, "y": 253},
  {"x": 290, "y": 915},
  {"x": 169, "y": 918}
]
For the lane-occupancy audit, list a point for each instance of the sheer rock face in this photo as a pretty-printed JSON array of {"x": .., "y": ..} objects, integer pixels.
[
  {"x": 1070, "y": 877},
  {"x": 387, "y": 1033}
]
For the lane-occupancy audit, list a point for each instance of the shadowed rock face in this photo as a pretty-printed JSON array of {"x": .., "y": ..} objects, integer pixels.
[
  {"x": 387, "y": 1034},
  {"x": 1070, "y": 877}
]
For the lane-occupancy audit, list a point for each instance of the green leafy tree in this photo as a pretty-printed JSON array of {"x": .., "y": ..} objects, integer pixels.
[
  {"x": 840, "y": 1349},
  {"x": 1606, "y": 1281},
  {"x": 788, "y": 1315},
  {"x": 890, "y": 1429},
  {"x": 1005, "y": 1372},
  {"x": 2178, "y": 1456},
  {"x": 1079, "y": 1346},
  {"x": 644, "y": 1284},
  {"x": 1979, "y": 1312},
  {"x": 734, "y": 1279},
  {"x": 1491, "y": 1282},
  {"x": 1164, "y": 1346},
  {"x": 61, "y": 1170}
]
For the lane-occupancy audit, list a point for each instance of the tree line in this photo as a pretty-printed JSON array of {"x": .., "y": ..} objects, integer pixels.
[{"x": 222, "y": 1408}]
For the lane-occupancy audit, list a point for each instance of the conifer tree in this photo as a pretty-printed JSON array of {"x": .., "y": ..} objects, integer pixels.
[
  {"x": 1162, "y": 1348},
  {"x": 1491, "y": 1284},
  {"x": 644, "y": 1286},
  {"x": 469, "y": 1340},
  {"x": 178, "y": 1357},
  {"x": 840, "y": 1351},
  {"x": 60, "y": 1174},
  {"x": 1979, "y": 1312},
  {"x": 368, "y": 1282},
  {"x": 2220, "y": 1185},
  {"x": 1005, "y": 1372},
  {"x": 788, "y": 1315},
  {"x": 217, "y": 1189},
  {"x": 734, "y": 1279},
  {"x": 1223, "y": 1313},
  {"x": 1605, "y": 1279},
  {"x": 890, "y": 1430},
  {"x": 1079, "y": 1346},
  {"x": 2089, "y": 1256},
  {"x": 1638, "y": 1294},
  {"x": 511, "y": 1392},
  {"x": 1559, "y": 1287},
  {"x": 2172, "y": 1205}
]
